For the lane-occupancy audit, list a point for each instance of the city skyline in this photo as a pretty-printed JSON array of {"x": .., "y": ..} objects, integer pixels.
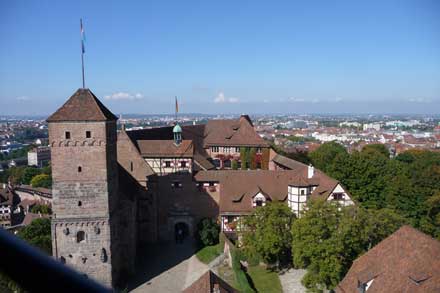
[{"x": 226, "y": 57}]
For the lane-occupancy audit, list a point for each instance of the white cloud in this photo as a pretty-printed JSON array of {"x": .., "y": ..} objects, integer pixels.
[
  {"x": 297, "y": 100},
  {"x": 221, "y": 99},
  {"x": 23, "y": 98},
  {"x": 337, "y": 100},
  {"x": 419, "y": 100},
  {"x": 124, "y": 96},
  {"x": 302, "y": 100}
]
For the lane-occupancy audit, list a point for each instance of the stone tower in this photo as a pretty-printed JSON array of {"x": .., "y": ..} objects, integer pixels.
[{"x": 82, "y": 136}]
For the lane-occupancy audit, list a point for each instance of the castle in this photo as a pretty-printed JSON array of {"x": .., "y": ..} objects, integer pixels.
[{"x": 114, "y": 191}]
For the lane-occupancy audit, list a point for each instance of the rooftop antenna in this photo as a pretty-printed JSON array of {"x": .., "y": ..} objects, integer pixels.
[{"x": 82, "y": 51}]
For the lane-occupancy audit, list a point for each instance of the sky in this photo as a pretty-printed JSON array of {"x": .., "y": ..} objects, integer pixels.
[{"x": 223, "y": 56}]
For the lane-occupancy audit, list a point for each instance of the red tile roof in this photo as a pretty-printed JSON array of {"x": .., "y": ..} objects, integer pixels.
[
  {"x": 165, "y": 148},
  {"x": 83, "y": 105},
  {"x": 210, "y": 283},
  {"x": 232, "y": 133},
  {"x": 237, "y": 187},
  {"x": 406, "y": 261}
]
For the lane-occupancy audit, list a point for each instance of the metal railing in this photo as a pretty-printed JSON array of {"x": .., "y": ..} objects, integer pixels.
[{"x": 34, "y": 271}]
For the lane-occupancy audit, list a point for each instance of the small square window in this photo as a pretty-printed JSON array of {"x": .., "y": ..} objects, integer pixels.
[
  {"x": 67, "y": 134},
  {"x": 183, "y": 164},
  {"x": 167, "y": 164},
  {"x": 88, "y": 134}
]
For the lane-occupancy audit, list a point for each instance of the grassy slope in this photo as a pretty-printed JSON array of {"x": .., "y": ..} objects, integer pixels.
[
  {"x": 209, "y": 253},
  {"x": 264, "y": 280}
]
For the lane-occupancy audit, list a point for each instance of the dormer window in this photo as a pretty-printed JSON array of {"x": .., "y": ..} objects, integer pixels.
[
  {"x": 338, "y": 196},
  {"x": 67, "y": 135},
  {"x": 259, "y": 200}
]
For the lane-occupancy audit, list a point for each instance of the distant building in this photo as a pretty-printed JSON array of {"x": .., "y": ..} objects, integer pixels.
[
  {"x": 406, "y": 261},
  {"x": 39, "y": 156},
  {"x": 371, "y": 126}
]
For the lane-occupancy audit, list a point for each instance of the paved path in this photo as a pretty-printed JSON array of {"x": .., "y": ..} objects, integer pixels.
[
  {"x": 291, "y": 281},
  {"x": 169, "y": 268}
]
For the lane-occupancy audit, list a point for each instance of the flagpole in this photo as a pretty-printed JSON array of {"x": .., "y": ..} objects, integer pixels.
[
  {"x": 175, "y": 110},
  {"x": 82, "y": 54},
  {"x": 82, "y": 62}
]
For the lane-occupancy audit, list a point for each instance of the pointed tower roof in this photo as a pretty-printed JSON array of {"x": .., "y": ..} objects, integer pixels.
[{"x": 83, "y": 105}]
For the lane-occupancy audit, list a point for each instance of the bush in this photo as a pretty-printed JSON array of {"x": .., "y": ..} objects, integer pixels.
[
  {"x": 208, "y": 232},
  {"x": 38, "y": 234},
  {"x": 41, "y": 209},
  {"x": 42, "y": 180}
]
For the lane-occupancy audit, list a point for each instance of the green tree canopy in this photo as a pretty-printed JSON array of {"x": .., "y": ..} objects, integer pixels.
[
  {"x": 38, "y": 234},
  {"x": 267, "y": 232},
  {"x": 208, "y": 231},
  {"x": 42, "y": 180},
  {"x": 328, "y": 238},
  {"x": 29, "y": 173},
  {"x": 325, "y": 154},
  {"x": 376, "y": 148}
]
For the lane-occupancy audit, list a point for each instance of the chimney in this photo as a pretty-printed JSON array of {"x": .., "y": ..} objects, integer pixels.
[{"x": 310, "y": 171}]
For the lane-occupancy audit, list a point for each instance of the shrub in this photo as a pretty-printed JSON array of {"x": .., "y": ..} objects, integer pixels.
[{"x": 208, "y": 231}]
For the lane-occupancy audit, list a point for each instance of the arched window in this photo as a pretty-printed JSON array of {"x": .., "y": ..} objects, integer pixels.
[{"x": 80, "y": 236}]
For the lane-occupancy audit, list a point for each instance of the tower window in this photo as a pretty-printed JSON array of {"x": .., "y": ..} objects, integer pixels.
[
  {"x": 67, "y": 134},
  {"x": 80, "y": 236},
  {"x": 131, "y": 166},
  {"x": 79, "y": 169},
  {"x": 88, "y": 134},
  {"x": 79, "y": 203}
]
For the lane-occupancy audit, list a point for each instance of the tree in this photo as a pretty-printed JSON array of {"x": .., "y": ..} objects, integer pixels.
[
  {"x": 328, "y": 238},
  {"x": 29, "y": 173},
  {"x": 16, "y": 174},
  {"x": 38, "y": 234},
  {"x": 267, "y": 232},
  {"x": 208, "y": 231},
  {"x": 42, "y": 180},
  {"x": 43, "y": 209},
  {"x": 376, "y": 148},
  {"x": 324, "y": 155},
  {"x": 234, "y": 164}
]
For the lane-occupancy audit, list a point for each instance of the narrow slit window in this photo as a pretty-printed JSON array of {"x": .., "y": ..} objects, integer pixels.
[{"x": 79, "y": 169}]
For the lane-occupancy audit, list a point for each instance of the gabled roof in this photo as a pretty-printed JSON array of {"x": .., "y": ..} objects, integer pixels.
[
  {"x": 83, "y": 105},
  {"x": 238, "y": 187},
  {"x": 209, "y": 283},
  {"x": 165, "y": 148},
  {"x": 228, "y": 132},
  {"x": 406, "y": 261}
]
